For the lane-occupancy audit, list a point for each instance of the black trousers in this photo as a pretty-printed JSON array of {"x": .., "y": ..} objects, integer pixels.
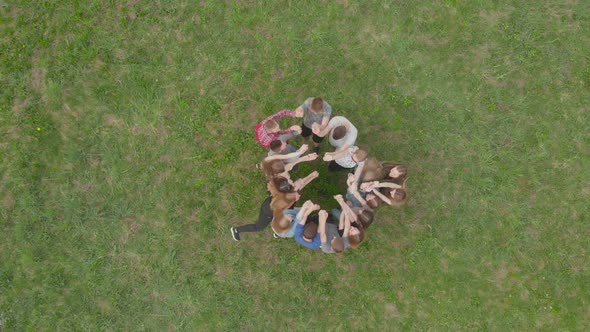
[
  {"x": 264, "y": 218},
  {"x": 334, "y": 167}
]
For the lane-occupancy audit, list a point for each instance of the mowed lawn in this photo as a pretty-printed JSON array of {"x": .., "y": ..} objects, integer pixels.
[{"x": 127, "y": 152}]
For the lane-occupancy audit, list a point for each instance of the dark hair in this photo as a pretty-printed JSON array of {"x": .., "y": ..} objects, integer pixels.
[
  {"x": 402, "y": 169},
  {"x": 310, "y": 230},
  {"x": 276, "y": 145},
  {"x": 339, "y": 132},
  {"x": 375, "y": 202},
  {"x": 355, "y": 240},
  {"x": 366, "y": 218},
  {"x": 360, "y": 155},
  {"x": 337, "y": 244},
  {"x": 273, "y": 167},
  {"x": 317, "y": 104},
  {"x": 270, "y": 124},
  {"x": 282, "y": 184}
]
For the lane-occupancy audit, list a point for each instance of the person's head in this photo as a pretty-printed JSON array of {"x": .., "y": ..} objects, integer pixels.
[
  {"x": 282, "y": 184},
  {"x": 366, "y": 218},
  {"x": 310, "y": 229},
  {"x": 397, "y": 196},
  {"x": 273, "y": 167},
  {"x": 272, "y": 126},
  {"x": 337, "y": 244},
  {"x": 339, "y": 132},
  {"x": 356, "y": 235},
  {"x": 317, "y": 104},
  {"x": 277, "y": 145},
  {"x": 399, "y": 171},
  {"x": 359, "y": 155},
  {"x": 280, "y": 221}
]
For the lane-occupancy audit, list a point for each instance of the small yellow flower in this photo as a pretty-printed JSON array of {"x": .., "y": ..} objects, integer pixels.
[{"x": 38, "y": 128}]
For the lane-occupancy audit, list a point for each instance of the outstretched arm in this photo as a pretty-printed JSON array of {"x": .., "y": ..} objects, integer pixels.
[
  {"x": 321, "y": 132},
  {"x": 341, "y": 152},
  {"x": 301, "y": 183},
  {"x": 345, "y": 208},
  {"x": 297, "y": 153},
  {"x": 309, "y": 157},
  {"x": 279, "y": 115},
  {"x": 322, "y": 226},
  {"x": 383, "y": 197}
]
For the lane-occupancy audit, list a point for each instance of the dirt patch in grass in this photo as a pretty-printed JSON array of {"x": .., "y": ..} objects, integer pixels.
[
  {"x": 8, "y": 201},
  {"x": 493, "y": 17},
  {"x": 432, "y": 41}
]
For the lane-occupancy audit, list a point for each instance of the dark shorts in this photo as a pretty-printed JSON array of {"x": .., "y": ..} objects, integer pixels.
[{"x": 306, "y": 131}]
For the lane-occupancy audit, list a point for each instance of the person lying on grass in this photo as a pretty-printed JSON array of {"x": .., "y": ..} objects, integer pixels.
[
  {"x": 306, "y": 232},
  {"x": 374, "y": 170},
  {"x": 387, "y": 192},
  {"x": 352, "y": 234},
  {"x": 316, "y": 112},
  {"x": 349, "y": 217},
  {"x": 283, "y": 198},
  {"x": 284, "y": 222},
  {"x": 330, "y": 239},
  {"x": 269, "y": 130},
  {"x": 354, "y": 195}
]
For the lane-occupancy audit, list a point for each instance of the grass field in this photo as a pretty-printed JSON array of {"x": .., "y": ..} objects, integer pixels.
[{"x": 127, "y": 152}]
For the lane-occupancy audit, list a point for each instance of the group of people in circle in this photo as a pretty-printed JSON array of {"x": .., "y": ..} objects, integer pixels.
[{"x": 370, "y": 182}]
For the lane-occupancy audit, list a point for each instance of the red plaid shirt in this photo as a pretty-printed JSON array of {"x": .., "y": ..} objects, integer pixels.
[{"x": 264, "y": 137}]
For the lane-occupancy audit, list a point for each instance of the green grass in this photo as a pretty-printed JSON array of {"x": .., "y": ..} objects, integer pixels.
[{"x": 127, "y": 151}]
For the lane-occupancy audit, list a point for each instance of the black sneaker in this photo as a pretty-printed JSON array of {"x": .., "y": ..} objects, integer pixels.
[{"x": 235, "y": 234}]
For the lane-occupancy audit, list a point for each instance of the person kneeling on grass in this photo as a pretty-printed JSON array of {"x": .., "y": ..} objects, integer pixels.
[
  {"x": 269, "y": 130},
  {"x": 284, "y": 222},
  {"x": 348, "y": 158},
  {"x": 277, "y": 163},
  {"x": 342, "y": 134},
  {"x": 384, "y": 192},
  {"x": 281, "y": 196}
]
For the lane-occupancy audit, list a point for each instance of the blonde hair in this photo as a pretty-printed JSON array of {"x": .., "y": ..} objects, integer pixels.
[{"x": 360, "y": 155}]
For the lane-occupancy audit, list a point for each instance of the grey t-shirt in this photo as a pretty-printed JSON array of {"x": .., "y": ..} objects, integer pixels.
[
  {"x": 331, "y": 232},
  {"x": 288, "y": 149}
]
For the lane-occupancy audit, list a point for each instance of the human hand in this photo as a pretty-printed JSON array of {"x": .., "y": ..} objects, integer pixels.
[
  {"x": 323, "y": 215},
  {"x": 303, "y": 149},
  {"x": 350, "y": 180},
  {"x": 312, "y": 156},
  {"x": 367, "y": 186},
  {"x": 328, "y": 157},
  {"x": 315, "y": 128},
  {"x": 338, "y": 197},
  {"x": 299, "y": 112},
  {"x": 314, "y": 174}
]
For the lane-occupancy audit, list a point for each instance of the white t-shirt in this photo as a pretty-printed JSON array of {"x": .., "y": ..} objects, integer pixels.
[
  {"x": 351, "y": 132},
  {"x": 347, "y": 161}
]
